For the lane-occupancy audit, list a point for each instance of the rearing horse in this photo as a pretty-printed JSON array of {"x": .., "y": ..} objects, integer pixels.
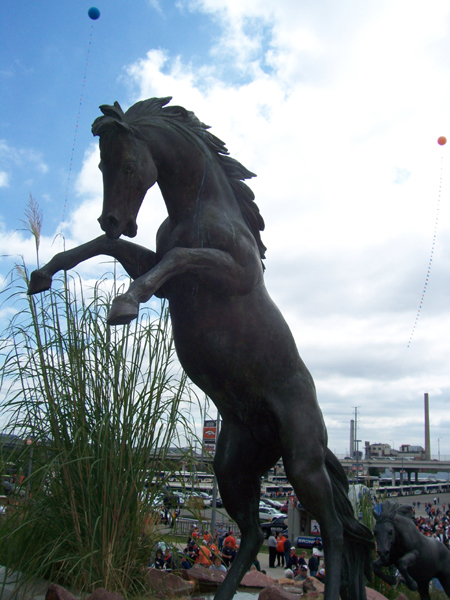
[
  {"x": 230, "y": 337},
  {"x": 418, "y": 557}
]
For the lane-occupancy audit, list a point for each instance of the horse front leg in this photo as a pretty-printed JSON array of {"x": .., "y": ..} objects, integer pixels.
[
  {"x": 377, "y": 570},
  {"x": 409, "y": 560},
  {"x": 214, "y": 268},
  {"x": 424, "y": 590},
  {"x": 135, "y": 259}
]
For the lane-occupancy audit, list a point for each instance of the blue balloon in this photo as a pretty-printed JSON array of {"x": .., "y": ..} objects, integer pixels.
[{"x": 93, "y": 13}]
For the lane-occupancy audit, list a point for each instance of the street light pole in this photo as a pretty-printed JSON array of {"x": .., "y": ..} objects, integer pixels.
[
  {"x": 356, "y": 442},
  {"x": 439, "y": 448},
  {"x": 214, "y": 498}
]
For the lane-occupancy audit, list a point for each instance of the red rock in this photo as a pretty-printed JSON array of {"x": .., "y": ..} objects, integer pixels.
[
  {"x": 374, "y": 595},
  {"x": 205, "y": 578},
  {"x": 311, "y": 584},
  {"x": 165, "y": 584},
  {"x": 56, "y": 592},
  {"x": 286, "y": 581},
  {"x": 102, "y": 594},
  {"x": 276, "y": 592},
  {"x": 256, "y": 579}
]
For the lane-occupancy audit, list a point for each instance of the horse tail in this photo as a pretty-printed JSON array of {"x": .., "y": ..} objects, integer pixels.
[{"x": 358, "y": 539}]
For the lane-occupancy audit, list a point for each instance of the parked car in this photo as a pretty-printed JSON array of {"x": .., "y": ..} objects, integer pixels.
[
  {"x": 272, "y": 503},
  {"x": 157, "y": 501},
  {"x": 275, "y": 526},
  {"x": 267, "y": 513},
  {"x": 206, "y": 498}
]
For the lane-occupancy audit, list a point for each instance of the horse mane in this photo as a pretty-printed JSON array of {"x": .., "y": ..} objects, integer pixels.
[
  {"x": 391, "y": 508},
  {"x": 146, "y": 112}
]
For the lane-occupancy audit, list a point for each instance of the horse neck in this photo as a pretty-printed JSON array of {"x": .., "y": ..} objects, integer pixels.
[
  {"x": 402, "y": 527},
  {"x": 188, "y": 174}
]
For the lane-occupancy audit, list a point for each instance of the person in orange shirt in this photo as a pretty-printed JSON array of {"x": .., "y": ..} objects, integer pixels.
[
  {"x": 207, "y": 536},
  {"x": 204, "y": 556},
  {"x": 214, "y": 548},
  {"x": 280, "y": 550}
]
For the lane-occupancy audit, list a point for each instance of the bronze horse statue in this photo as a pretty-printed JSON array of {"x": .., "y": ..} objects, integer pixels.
[
  {"x": 418, "y": 557},
  {"x": 230, "y": 337}
]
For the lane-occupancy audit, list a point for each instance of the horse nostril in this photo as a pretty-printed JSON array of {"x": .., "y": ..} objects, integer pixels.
[{"x": 112, "y": 221}]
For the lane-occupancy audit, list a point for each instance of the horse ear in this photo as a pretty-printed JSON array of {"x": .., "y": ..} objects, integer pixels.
[
  {"x": 114, "y": 112},
  {"x": 178, "y": 111},
  {"x": 122, "y": 126}
]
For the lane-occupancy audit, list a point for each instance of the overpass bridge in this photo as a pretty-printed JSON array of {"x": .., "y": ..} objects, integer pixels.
[{"x": 404, "y": 466}]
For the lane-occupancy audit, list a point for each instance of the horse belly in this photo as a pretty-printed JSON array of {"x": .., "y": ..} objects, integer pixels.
[{"x": 234, "y": 347}]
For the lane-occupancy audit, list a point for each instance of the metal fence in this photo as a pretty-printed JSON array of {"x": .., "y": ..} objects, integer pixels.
[{"x": 183, "y": 526}]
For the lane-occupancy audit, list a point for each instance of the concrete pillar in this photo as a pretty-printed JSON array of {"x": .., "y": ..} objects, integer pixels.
[{"x": 294, "y": 523}]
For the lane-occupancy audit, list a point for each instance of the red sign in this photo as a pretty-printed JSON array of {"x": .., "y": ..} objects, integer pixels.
[{"x": 209, "y": 434}]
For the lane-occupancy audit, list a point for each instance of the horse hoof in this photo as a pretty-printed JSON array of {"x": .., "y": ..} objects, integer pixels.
[
  {"x": 122, "y": 311},
  {"x": 39, "y": 282}
]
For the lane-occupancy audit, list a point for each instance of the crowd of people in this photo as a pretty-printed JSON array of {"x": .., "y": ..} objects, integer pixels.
[
  {"x": 437, "y": 522},
  {"x": 216, "y": 553},
  {"x": 284, "y": 555}
]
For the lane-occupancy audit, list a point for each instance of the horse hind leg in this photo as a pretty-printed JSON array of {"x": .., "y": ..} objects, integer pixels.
[
  {"x": 311, "y": 483},
  {"x": 238, "y": 464},
  {"x": 304, "y": 445}
]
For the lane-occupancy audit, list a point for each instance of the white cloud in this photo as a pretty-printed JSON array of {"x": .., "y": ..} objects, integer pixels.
[
  {"x": 12, "y": 156},
  {"x": 339, "y": 117},
  {"x": 337, "y": 109},
  {"x": 156, "y": 6},
  {"x": 4, "y": 179}
]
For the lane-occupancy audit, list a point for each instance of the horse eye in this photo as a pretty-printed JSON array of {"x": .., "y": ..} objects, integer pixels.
[{"x": 129, "y": 169}]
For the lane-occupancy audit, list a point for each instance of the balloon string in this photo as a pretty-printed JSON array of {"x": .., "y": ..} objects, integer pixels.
[
  {"x": 76, "y": 129},
  {"x": 431, "y": 256}
]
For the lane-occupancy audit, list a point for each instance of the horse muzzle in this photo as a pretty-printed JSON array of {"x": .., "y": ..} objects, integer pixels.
[
  {"x": 384, "y": 557},
  {"x": 112, "y": 226}
]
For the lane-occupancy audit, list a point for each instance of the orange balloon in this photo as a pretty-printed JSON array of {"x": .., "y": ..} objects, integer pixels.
[{"x": 442, "y": 140}]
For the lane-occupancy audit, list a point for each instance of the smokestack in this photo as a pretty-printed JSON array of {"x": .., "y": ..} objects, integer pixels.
[
  {"x": 352, "y": 438},
  {"x": 427, "y": 428}
]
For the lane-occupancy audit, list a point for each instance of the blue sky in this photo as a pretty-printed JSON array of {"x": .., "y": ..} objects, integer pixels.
[
  {"x": 44, "y": 51},
  {"x": 336, "y": 106}
]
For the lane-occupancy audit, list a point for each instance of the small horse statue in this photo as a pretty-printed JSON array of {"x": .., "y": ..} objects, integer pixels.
[
  {"x": 230, "y": 338},
  {"x": 418, "y": 557}
]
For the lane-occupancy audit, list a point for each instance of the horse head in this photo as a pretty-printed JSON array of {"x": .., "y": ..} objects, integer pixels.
[
  {"x": 385, "y": 537},
  {"x": 385, "y": 526},
  {"x": 128, "y": 172}
]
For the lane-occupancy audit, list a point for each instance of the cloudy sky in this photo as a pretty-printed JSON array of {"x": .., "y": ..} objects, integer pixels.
[{"x": 336, "y": 105}]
